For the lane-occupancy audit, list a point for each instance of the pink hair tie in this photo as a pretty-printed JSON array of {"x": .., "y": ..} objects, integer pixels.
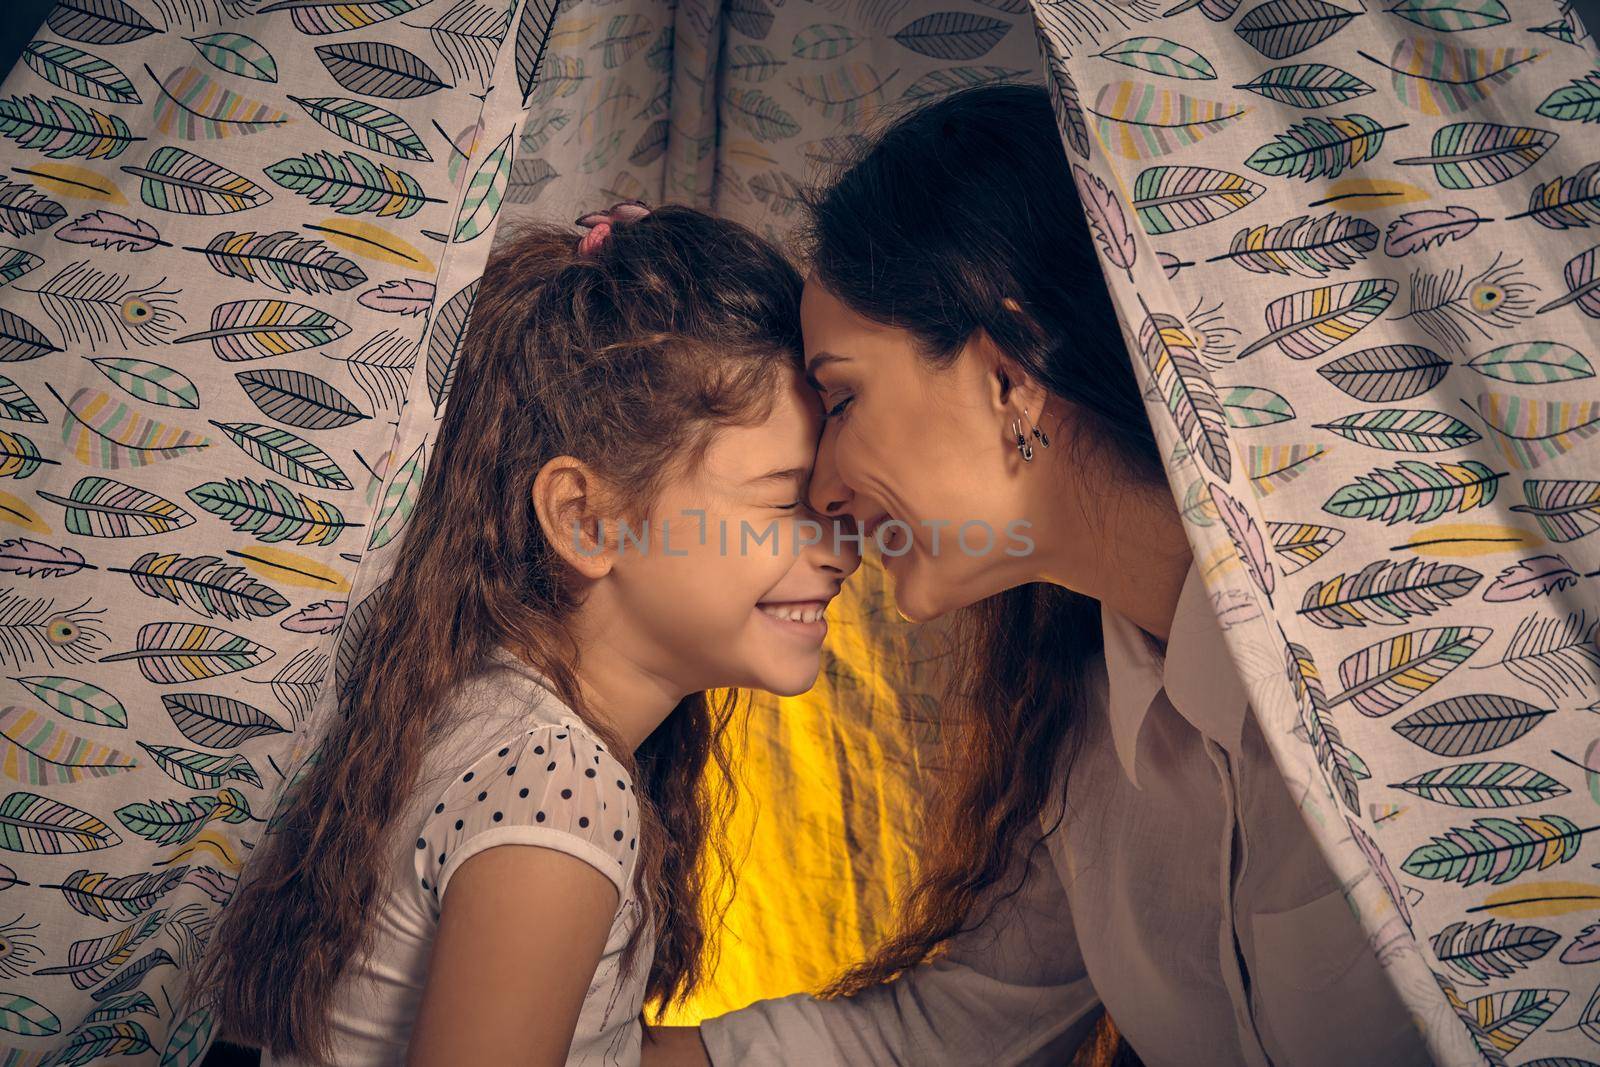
[{"x": 599, "y": 223}]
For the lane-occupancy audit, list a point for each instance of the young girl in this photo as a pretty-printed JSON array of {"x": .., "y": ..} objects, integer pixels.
[{"x": 610, "y": 526}]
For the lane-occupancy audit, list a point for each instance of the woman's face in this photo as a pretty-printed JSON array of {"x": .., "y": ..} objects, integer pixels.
[{"x": 931, "y": 448}]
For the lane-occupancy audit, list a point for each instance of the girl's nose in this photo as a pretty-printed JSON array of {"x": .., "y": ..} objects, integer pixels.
[{"x": 826, "y": 493}]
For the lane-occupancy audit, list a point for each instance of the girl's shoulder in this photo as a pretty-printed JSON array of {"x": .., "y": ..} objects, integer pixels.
[{"x": 541, "y": 779}]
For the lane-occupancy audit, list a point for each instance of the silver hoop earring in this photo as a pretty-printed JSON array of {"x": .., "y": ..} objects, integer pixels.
[
  {"x": 1022, "y": 442},
  {"x": 1044, "y": 439}
]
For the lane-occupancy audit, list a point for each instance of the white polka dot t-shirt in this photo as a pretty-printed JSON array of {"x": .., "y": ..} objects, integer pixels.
[{"x": 520, "y": 768}]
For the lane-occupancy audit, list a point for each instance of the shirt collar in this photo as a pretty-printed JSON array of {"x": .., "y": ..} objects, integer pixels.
[{"x": 1197, "y": 674}]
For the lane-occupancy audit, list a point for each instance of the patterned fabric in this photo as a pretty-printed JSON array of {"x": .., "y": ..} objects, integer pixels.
[
  {"x": 1355, "y": 256},
  {"x": 243, "y": 239}
]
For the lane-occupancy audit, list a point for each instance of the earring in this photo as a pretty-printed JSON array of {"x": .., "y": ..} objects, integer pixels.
[
  {"x": 1044, "y": 438},
  {"x": 1022, "y": 442}
]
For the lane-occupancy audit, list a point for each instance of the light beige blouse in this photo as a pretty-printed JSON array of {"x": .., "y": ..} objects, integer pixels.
[{"x": 1182, "y": 893}]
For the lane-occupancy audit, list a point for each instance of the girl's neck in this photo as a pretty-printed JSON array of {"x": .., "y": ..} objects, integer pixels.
[{"x": 629, "y": 697}]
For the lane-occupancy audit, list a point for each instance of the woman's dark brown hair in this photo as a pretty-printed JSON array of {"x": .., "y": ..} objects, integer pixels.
[
  {"x": 630, "y": 359},
  {"x": 955, "y": 208}
]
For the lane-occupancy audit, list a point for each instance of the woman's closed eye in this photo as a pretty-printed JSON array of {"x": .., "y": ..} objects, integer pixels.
[{"x": 838, "y": 408}]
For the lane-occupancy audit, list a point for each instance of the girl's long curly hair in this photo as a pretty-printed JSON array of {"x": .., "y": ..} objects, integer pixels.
[{"x": 629, "y": 358}]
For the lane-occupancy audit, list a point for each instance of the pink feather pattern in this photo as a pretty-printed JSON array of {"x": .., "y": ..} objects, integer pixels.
[
  {"x": 1531, "y": 577},
  {"x": 412, "y": 296},
  {"x": 1246, "y": 539},
  {"x": 1419, "y": 230},
  {"x": 1107, "y": 221}
]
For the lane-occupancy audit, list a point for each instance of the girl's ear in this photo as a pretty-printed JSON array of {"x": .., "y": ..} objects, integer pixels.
[{"x": 567, "y": 498}]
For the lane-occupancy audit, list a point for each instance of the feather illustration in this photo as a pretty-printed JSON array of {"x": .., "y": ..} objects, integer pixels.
[
  {"x": 1140, "y": 121},
  {"x": 297, "y": 683},
  {"x": 101, "y": 431},
  {"x": 19, "y": 456},
  {"x": 181, "y": 182},
  {"x": 283, "y": 453},
  {"x": 302, "y": 400},
  {"x": 24, "y": 209},
  {"x": 1537, "y": 576},
  {"x": 321, "y": 618},
  {"x": 1565, "y": 509},
  {"x": 234, "y": 53},
  {"x": 1403, "y": 430},
  {"x": 1577, "y": 102},
  {"x": 101, "y": 507},
  {"x": 1168, "y": 351},
  {"x": 366, "y": 126},
  {"x": 1303, "y": 245},
  {"x": 1308, "y": 323},
  {"x": 1386, "y": 373},
  {"x": 18, "y": 405},
  {"x": 1107, "y": 220},
  {"x": 335, "y": 16},
  {"x": 1496, "y": 849},
  {"x": 1490, "y": 950},
  {"x": 1315, "y": 715},
  {"x": 952, "y": 35},
  {"x": 469, "y": 36},
  {"x": 1471, "y": 155},
  {"x": 413, "y": 296},
  {"x": 1171, "y": 198},
  {"x": 1420, "y": 230},
  {"x": 1386, "y": 592},
  {"x": 91, "y": 961},
  {"x": 1318, "y": 147},
  {"x": 759, "y": 114},
  {"x": 1270, "y": 467},
  {"x": 1452, "y": 16},
  {"x": 1299, "y": 544},
  {"x": 1529, "y": 432},
  {"x": 481, "y": 202},
  {"x": 1415, "y": 491},
  {"x": 1468, "y": 725},
  {"x": 201, "y": 770},
  {"x": 270, "y": 512},
  {"x": 1559, "y": 656},
  {"x": 107, "y": 229},
  {"x": 1246, "y": 539},
  {"x": 1585, "y": 947},
  {"x": 168, "y": 652},
  {"x": 77, "y": 700},
  {"x": 38, "y": 825},
  {"x": 255, "y": 329},
  {"x": 173, "y": 822},
  {"x": 62, "y": 128},
  {"x": 1583, "y": 284},
  {"x": 1307, "y": 85},
  {"x": 1566, "y": 203},
  {"x": 1157, "y": 55},
  {"x": 32, "y": 559},
  {"x": 91, "y": 306},
  {"x": 846, "y": 92},
  {"x": 78, "y": 72},
  {"x": 1068, "y": 107},
  {"x": 35, "y": 750},
  {"x": 194, "y": 106},
  {"x": 351, "y": 184},
  {"x": 1442, "y": 78},
  {"x": 101, "y": 896},
  {"x": 1249, "y": 406},
  {"x": 1387, "y": 675},
  {"x": 1484, "y": 785},
  {"x": 282, "y": 260},
  {"x": 444, "y": 343},
  {"x": 151, "y": 382},
  {"x": 1450, "y": 304},
  {"x": 99, "y": 22},
  {"x": 34, "y": 628},
  {"x": 399, "y": 500},
  {"x": 216, "y": 721},
  {"x": 377, "y": 68},
  {"x": 1282, "y": 28},
  {"x": 203, "y": 583}
]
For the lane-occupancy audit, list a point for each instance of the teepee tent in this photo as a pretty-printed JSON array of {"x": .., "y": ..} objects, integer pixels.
[{"x": 1354, "y": 250}]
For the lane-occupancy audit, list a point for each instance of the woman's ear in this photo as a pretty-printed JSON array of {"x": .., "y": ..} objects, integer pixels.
[{"x": 568, "y": 499}]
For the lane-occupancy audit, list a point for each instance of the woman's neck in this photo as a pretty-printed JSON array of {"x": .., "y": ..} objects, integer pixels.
[{"x": 1126, "y": 549}]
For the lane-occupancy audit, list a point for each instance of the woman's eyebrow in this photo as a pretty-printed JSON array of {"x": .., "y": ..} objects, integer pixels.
[{"x": 819, "y": 360}]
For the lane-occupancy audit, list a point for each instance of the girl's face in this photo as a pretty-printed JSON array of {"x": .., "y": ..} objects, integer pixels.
[
  {"x": 929, "y": 447},
  {"x": 735, "y": 593}
]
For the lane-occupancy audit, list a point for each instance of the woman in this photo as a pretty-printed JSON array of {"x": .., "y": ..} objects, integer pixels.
[{"x": 1114, "y": 833}]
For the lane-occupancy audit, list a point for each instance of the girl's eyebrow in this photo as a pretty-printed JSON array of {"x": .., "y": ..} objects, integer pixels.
[{"x": 785, "y": 474}]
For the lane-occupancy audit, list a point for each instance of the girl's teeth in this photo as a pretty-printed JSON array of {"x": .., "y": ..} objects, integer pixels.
[{"x": 806, "y": 614}]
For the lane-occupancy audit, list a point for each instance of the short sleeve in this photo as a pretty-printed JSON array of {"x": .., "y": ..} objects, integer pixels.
[{"x": 555, "y": 787}]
